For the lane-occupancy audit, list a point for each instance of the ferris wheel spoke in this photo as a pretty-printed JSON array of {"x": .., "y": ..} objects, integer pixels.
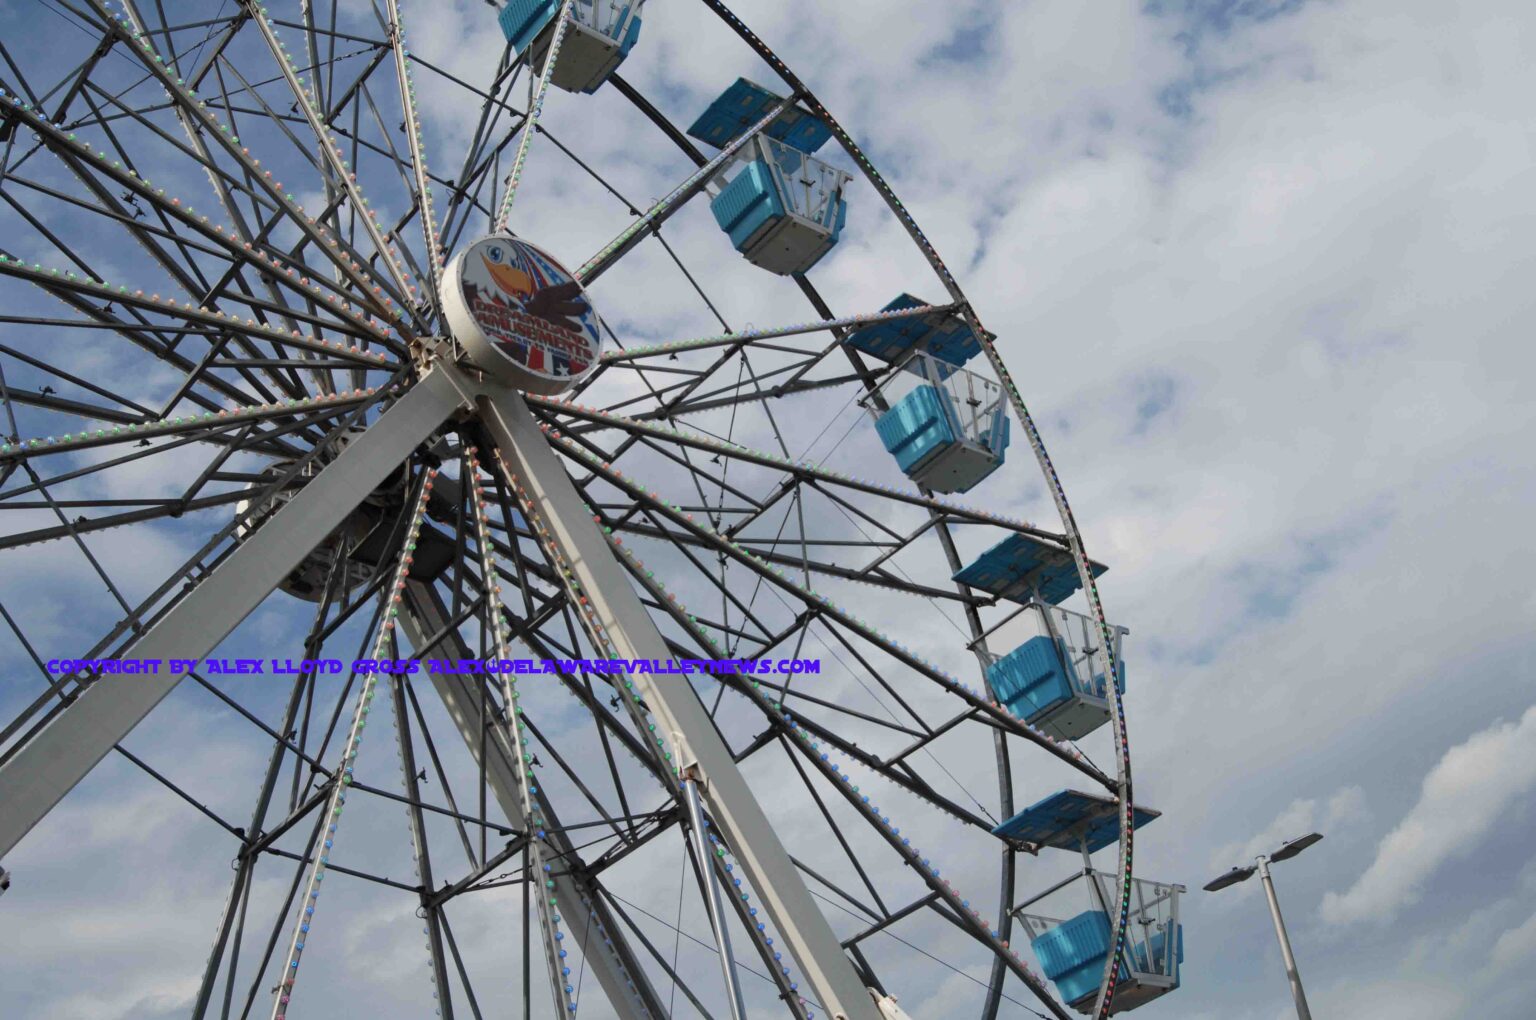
[
  {"x": 237, "y": 899},
  {"x": 50, "y": 401},
  {"x": 54, "y": 281},
  {"x": 154, "y": 509},
  {"x": 790, "y": 376},
  {"x": 83, "y": 296},
  {"x": 663, "y": 370},
  {"x": 223, "y": 192},
  {"x": 823, "y": 605},
  {"x": 966, "y": 918},
  {"x": 423, "y": 193},
  {"x": 888, "y": 768},
  {"x": 727, "y": 396},
  {"x": 336, "y": 796},
  {"x": 842, "y": 709},
  {"x": 773, "y": 559},
  {"x": 662, "y": 210},
  {"x": 574, "y": 778},
  {"x": 48, "y": 766},
  {"x": 879, "y": 909},
  {"x": 606, "y": 722},
  {"x": 445, "y": 783},
  {"x": 764, "y": 636},
  {"x": 281, "y": 269},
  {"x": 535, "y": 109},
  {"x": 232, "y": 429},
  {"x": 754, "y": 337},
  {"x": 810, "y": 748},
  {"x": 126, "y": 404},
  {"x": 340, "y": 170},
  {"x": 532, "y": 631},
  {"x": 698, "y": 476},
  {"x": 542, "y": 852},
  {"x": 216, "y": 322},
  {"x": 462, "y": 201},
  {"x": 736, "y": 815},
  {"x": 172, "y": 509},
  {"x": 665, "y": 433},
  {"x": 473, "y": 168},
  {"x": 146, "y": 235},
  {"x": 142, "y": 47},
  {"x": 420, "y": 849},
  {"x": 221, "y": 456},
  {"x": 655, "y": 393},
  {"x": 892, "y": 541},
  {"x": 804, "y": 470},
  {"x": 163, "y": 209},
  {"x": 676, "y": 980},
  {"x": 135, "y": 225},
  {"x": 613, "y": 963}
]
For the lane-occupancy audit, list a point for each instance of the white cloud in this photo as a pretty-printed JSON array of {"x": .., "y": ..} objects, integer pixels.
[
  {"x": 1320, "y": 263},
  {"x": 1515, "y": 946},
  {"x": 1463, "y": 798},
  {"x": 1395, "y": 1000}
]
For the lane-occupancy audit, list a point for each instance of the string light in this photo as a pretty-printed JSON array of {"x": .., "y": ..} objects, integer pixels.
[
  {"x": 1058, "y": 493},
  {"x": 336, "y": 800},
  {"x": 184, "y": 424}
]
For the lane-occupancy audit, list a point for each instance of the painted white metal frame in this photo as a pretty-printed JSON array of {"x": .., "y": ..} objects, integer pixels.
[{"x": 64, "y": 752}]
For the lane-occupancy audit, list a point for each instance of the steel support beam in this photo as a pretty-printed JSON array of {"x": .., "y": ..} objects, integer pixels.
[
  {"x": 61, "y": 755},
  {"x": 711, "y": 885},
  {"x": 423, "y": 852},
  {"x": 613, "y": 963},
  {"x": 678, "y": 710}
]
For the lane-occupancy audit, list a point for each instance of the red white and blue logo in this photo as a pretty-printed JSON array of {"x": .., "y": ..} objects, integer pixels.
[{"x": 529, "y": 309}]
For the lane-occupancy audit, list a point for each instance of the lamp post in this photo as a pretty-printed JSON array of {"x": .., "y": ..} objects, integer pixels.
[{"x": 1290, "y": 848}]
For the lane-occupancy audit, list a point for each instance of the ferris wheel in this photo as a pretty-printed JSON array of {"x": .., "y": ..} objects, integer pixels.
[{"x": 300, "y": 378}]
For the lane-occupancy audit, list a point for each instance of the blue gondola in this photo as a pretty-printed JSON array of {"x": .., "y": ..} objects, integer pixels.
[
  {"x": 1073, "y": 945},
  {"x": 1021, "y": 567},
  {"x": 944, "y": 335},
  {"x": 1071, "y": 820},
  {"x": 744, "y": 104},
  {"x": 947, "y": 428},
  {"x": 599, "y": 37},
  {"x": 782, "y": 208},
  {"x": 1052, "y": 677}
]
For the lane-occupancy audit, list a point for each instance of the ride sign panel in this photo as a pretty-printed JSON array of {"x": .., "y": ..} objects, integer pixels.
[{"x": 520, "y": 315}]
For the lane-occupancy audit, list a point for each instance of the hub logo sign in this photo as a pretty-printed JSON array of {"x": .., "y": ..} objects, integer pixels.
[{"x": 520, "y": 315}]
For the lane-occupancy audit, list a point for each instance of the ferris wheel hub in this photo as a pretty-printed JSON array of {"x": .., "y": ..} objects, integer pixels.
[
  {"x": 520, "y": 315},
  {"x": 368, "y": 535}
]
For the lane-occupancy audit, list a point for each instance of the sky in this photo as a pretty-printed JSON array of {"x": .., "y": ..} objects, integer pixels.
[{"x": 1261, "y": 270}]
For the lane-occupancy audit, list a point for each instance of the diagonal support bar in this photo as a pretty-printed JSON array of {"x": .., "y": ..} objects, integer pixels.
[
  {"x": 712, "y": 895},
  {"x": 615, "y": 965},
  {"x": 678, "y": 709},
  {"x": 58, "y": 757}
]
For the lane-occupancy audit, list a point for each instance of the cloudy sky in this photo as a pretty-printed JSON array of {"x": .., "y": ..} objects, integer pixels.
[{"x": 1263, "y": 270}]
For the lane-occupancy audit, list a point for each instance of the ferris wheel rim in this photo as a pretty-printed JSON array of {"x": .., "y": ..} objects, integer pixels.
[{"x": 960, "y": 301}]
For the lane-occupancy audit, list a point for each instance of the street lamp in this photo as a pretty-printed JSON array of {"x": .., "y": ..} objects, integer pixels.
[{"x": 1290, "y": 848}]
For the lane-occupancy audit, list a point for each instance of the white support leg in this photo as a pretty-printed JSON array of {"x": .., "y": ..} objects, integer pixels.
[
  {"x": 53, "y": 761},
  {"x": 611, "y": 959},
  {"x": 679, "y": 712}
]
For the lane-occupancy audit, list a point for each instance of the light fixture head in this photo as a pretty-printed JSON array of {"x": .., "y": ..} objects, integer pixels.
[
  {"x": 1291, "y": 847},
  {"x": 1232, "y": 877}
]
